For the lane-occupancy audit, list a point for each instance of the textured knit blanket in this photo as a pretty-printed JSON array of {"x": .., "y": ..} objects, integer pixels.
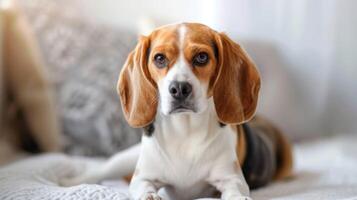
[{"x": 324, "y": 169}]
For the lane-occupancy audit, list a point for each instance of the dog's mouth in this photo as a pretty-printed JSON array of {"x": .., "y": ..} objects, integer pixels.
[{"x": 182, "y": 109}]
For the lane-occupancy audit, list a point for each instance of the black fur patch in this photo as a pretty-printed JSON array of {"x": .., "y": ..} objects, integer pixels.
[
  {"x": 259, "y": 165},
  {"x": 149, "y": 130},
  {"x": 221, "y": 124}
]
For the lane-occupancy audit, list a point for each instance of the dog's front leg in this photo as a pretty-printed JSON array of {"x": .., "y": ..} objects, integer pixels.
[
  {"x": 229, "y": 180},
  {"x": 142, "y": 188}
]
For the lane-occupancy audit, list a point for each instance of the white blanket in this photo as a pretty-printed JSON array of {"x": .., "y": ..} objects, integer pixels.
[{"x": 324, "y": 169}]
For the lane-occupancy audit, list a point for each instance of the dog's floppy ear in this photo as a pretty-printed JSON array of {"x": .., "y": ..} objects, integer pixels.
[
  {"x": 236, "y": 87},
  {"x": 137, "y": 90}
]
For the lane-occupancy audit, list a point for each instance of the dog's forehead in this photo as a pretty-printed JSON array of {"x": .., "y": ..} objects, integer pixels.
[
  {"x": 165, "y": 35},
  {"x": 199, "y": 33},
  {"x": 185, "y": 33}
]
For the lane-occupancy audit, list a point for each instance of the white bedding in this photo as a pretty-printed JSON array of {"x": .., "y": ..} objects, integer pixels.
[{"x": 325, "y": 169}]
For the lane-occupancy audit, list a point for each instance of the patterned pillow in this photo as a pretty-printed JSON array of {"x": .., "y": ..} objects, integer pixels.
[{"x": 84, "y": 61}]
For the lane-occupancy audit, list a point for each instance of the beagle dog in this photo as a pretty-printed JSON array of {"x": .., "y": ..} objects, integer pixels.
[{"x": 194, "y": 92}]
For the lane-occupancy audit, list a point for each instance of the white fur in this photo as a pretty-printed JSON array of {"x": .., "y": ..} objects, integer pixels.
[{"x": 189, "y": 154}]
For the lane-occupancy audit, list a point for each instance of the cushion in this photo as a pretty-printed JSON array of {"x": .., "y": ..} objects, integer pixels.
[
  {"x": 84, "y": 60},
  {"x": 26, "y": 103}
]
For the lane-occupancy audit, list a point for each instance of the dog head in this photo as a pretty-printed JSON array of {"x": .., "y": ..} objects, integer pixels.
[{"x": 178, "y": 68}]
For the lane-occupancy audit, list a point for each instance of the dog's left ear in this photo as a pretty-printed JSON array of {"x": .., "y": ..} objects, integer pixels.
[
  {"x": 237, "y": 84},
  {"x": 136, "y": 88}
]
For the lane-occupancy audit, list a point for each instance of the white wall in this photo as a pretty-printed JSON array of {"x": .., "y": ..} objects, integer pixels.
[
  {"x": 341, "y": 113},
  {"x": 306, "y": 51}
]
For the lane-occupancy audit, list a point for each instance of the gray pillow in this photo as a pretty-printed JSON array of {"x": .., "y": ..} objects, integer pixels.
[{"x": 84, "y": 60}]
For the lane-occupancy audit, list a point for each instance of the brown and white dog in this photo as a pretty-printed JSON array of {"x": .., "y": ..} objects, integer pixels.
[{"x": 193, "y": 90}]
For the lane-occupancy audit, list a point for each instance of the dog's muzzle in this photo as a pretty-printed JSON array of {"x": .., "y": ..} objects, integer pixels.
[{"x": 181, "y": 92}]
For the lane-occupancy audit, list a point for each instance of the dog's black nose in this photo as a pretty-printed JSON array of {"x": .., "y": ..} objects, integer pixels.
[{"x": 180, "y": 90}]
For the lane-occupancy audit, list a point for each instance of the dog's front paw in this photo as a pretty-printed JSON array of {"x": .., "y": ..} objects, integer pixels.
[{"x": 151, "y": 196}]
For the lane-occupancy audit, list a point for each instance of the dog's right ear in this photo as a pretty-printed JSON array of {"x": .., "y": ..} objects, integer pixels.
[{"x": 137, "y": 90}]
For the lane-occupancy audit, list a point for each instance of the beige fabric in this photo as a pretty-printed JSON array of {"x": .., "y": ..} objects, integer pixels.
[
  {"x": 24, "y": 86},
  {"x": 1, "y": 65}
]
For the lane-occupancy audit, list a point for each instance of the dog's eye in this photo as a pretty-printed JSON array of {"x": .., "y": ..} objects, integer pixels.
[
  {"x": 200, "y": 59},
  {"x": 160, "y": 60}
]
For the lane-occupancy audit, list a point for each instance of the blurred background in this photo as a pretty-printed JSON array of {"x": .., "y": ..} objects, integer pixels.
[{"x": 306, "y": 52}]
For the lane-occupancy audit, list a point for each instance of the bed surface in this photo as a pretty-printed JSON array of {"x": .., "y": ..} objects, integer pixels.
[{"x": 324, "y": 169}]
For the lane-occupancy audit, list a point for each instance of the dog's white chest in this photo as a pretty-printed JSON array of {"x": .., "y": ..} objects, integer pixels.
[
  {"x": 187, "y": 162},
  {"x": 182, "y": 157}
]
